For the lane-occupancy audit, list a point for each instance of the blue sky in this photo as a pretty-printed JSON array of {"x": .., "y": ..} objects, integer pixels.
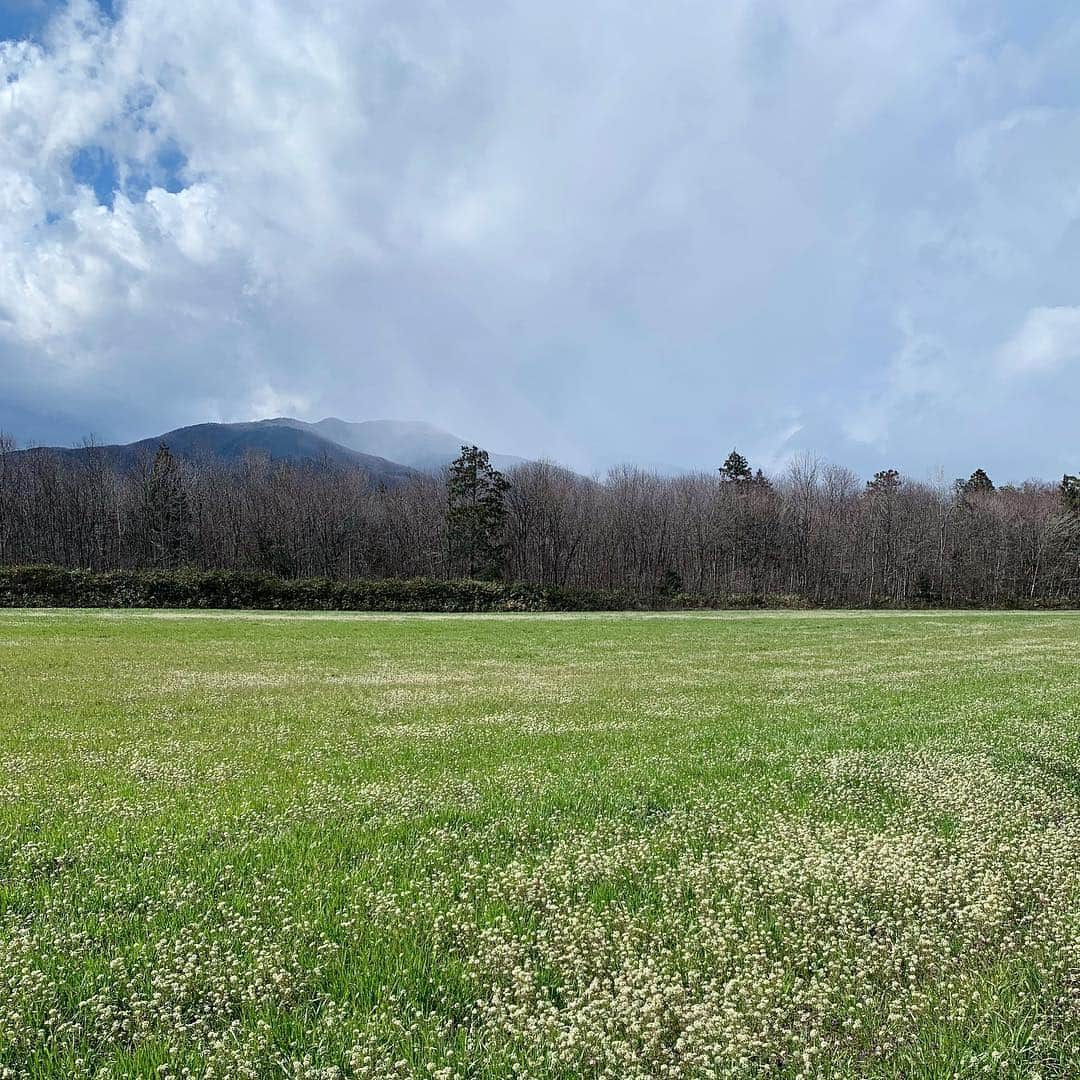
[
  {"x": 23, "y": 18},
  {"x": 20, "y": 19},
  {"x": 593, "y": 231}
]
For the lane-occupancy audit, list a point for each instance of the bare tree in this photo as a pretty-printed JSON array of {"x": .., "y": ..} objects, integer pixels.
[{"x": 815, "y": 532}]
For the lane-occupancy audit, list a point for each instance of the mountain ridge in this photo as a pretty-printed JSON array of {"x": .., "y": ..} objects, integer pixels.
[
  {"x": 386, "y": 450},
  {"x": 233, "y": 442},
  {"x": 416, "y": 443}
]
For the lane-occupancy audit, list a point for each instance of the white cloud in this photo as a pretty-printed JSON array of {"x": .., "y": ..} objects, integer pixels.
[
  {"x": 919, "y": 378},
  {"x": 1048, "y": 340},
  {"x": 545, "y": 225}
]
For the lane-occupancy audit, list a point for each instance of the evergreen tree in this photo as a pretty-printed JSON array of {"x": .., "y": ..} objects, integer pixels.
[
  {"x": 475, "y": 514},
  {"x": 1070, "y": 494},
  {"x": 885, "y": 483},
  {"x": 976, "y": 484},
  {"x": 736, "y": 469},
  {"x": 165, "y": 510}
]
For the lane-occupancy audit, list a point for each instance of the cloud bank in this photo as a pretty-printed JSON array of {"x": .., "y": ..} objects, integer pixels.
[
  {"x": 595, "y": 231},
  {"x": 1048, "y": 340}
]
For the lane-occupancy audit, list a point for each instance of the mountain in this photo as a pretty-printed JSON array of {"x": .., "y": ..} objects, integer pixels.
[
  {"x": 231, "y": 442},
  {"x": 413, "y": 443}
]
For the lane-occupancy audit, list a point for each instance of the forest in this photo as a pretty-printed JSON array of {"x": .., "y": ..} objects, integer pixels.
[{"x": 815, "y": 533}]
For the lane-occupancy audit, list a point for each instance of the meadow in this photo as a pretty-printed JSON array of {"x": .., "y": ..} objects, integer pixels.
[{"x": 719, "y": 845}]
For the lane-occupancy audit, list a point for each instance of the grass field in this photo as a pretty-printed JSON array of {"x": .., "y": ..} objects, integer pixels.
[{"x": 709, "y": 846}]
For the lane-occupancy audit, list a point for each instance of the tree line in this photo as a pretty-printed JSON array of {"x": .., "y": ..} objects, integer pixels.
[{"x": 815, "y": 532}]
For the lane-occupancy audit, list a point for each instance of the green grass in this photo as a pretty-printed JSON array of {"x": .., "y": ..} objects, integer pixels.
[{"x": 817, "y": 845}]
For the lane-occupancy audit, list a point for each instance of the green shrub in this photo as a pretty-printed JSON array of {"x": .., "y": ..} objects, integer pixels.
[
  {"x": 55, "y": 586},
  {"x": 52, "y": 586}
]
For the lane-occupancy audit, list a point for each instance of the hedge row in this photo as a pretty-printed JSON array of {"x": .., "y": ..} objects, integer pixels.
[
  {"x": 55, "y": 586},
  {"x": 52, "y": 586}
]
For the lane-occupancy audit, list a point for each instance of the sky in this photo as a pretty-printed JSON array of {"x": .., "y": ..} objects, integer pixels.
[{"x": 593, "y": 231}]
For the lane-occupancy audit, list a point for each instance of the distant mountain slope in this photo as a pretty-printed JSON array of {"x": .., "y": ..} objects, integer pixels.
[
  {"x": 387, "y": 450},
  {"x": 231, "y": 442},
  {"x": 412, "y": 442}
]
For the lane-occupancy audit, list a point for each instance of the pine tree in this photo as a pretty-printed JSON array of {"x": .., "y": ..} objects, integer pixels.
[
  {"x": 885, "y": 483},
  {"x": 736, "y": 469},
  {"x": 475, "y": 514},
  {"x": 976, "y": 484},
  {"x": 1070, "y": 494},
  {"x": 165, "y": 510}
]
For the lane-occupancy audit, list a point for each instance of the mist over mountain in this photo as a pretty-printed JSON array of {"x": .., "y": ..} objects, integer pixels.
[
  {"x": 414, "y": 443},
  {"x": 386, "y": 450}
]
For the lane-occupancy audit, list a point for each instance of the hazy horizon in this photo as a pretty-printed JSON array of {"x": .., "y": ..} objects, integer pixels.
[
  {"x": 936, "y": 478},
  {"x": 590, "y": 233}
]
